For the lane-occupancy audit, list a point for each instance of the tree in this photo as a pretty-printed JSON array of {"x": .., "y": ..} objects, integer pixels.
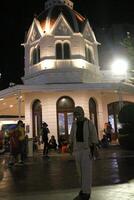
[{"x": 128, "y": 44}]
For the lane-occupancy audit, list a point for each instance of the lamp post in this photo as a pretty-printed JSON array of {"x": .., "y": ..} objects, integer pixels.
[
  {"x": 119, "y": 68},
  {"x": 19, "y": 104}
]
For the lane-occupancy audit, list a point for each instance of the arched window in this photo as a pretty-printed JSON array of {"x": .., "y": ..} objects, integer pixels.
[
  {"x": 66, "y": 49},
  {"x": 88, "y": 55},
  {"x": 36, "y": 55},
  {"x": 58, "y": 51},
  {"x": 36, "y": 117},
  {"x": 93, "y": 112},
  {"x": 65, "y": 107},
  {"x": 62, "y": 51}
]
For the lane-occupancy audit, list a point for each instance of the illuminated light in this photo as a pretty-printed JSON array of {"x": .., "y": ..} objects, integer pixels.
[
  {"x": 48, "y": 64},
  {"x": 63, "y": 100},
  {"x": 47, "y": 27},
  {"x": 80, "y": 17},
  {"x": 119, "y": 67},
  {"x": 11, "y": 106},
  {"x": 115, "y": 91},
  {"x": 20, "y": 97},
  {"x": 52, "y": 64},
  {"x": 79, "y": 63},
  {"x": 4, "y": 122},
  {"x": 1, "y": 99}
]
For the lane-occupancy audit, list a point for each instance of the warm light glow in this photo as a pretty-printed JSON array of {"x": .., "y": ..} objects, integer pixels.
[
  {"x": 79, "y": 63},
  {"x": 48, "y": 64},
  {"x": 47, "y": 28},
  {"x": 63, "y": 100},
  {"x": 3, "y": 122},
  {"x": 119, "y": 67},
  {"x": 11, "y": 106},
  {"x": 1, "y": 99}
]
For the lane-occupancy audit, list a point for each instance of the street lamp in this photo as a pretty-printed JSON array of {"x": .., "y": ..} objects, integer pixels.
[{"x": 119, "y": 68}]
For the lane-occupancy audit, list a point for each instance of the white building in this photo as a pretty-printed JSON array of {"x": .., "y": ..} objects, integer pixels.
[{"x": 62, "y": 71}]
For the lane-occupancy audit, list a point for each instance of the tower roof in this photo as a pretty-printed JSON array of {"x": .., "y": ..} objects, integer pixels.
[
  {"x": 52, "y": 11},
  {"x": 51, "y": 3}
]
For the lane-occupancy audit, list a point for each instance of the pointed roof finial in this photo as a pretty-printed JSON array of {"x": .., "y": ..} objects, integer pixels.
[
  {"x": 35, "y": 15},
  {"x": 51, "y": 3}
]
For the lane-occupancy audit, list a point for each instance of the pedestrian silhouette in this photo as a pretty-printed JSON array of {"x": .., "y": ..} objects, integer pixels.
[{"x": 45, "y": 131}]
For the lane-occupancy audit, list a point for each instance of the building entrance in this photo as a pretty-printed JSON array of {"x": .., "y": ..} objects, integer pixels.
[{"x": 65, "y": 107}]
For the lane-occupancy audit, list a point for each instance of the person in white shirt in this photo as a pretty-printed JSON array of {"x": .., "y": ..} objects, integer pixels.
[{"x": 83, "y": 141}]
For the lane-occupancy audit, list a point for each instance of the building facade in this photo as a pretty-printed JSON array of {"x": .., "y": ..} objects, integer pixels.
[{"x": 62, "y": 71}]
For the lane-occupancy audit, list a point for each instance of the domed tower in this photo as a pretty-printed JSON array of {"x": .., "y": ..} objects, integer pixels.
[{"x": 60, "y": 47}]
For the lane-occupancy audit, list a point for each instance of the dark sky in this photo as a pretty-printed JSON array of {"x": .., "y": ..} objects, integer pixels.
[{"x": 16, "y": 18}]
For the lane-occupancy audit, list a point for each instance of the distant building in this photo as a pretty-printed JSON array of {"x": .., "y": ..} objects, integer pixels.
[{"x": 62, "y": 71}]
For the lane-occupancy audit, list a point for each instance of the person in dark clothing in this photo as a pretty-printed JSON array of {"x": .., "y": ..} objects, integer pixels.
[
  {"x": 45, "y": 132},
  {"x": 104, "y": 142},
  {"x": 108, "y": 131},
  {"x": 52, "y": 143}
]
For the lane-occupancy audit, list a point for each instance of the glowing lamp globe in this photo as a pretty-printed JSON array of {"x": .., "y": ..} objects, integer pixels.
[{"x": 119, "y": 67}]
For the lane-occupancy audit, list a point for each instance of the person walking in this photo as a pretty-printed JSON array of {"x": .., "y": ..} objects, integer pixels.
[
  {"x": 20, "y": 129},
  {"x": 45, "y": 131},
  {"x": 83, "y": 142}
]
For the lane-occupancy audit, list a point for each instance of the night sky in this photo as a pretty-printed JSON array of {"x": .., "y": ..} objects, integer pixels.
[{"x": 16, "y": 19}]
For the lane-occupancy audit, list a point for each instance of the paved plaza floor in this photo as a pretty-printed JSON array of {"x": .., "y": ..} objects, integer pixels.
[{"x": 56, "y": 177}]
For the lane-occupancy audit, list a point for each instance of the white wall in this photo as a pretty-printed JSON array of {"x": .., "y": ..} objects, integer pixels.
[{"x": 49, "y": 100}]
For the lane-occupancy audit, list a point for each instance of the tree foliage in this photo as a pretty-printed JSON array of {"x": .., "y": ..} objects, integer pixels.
[{"x": 128, "y": 44}]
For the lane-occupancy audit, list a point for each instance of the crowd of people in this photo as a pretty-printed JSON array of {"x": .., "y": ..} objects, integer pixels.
[
  {"x": 18, "y": 144},
  {"x": 18, "y": 138},
  {"x": 83, "y": 145},
  {"x": 49, "y": 142}
]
